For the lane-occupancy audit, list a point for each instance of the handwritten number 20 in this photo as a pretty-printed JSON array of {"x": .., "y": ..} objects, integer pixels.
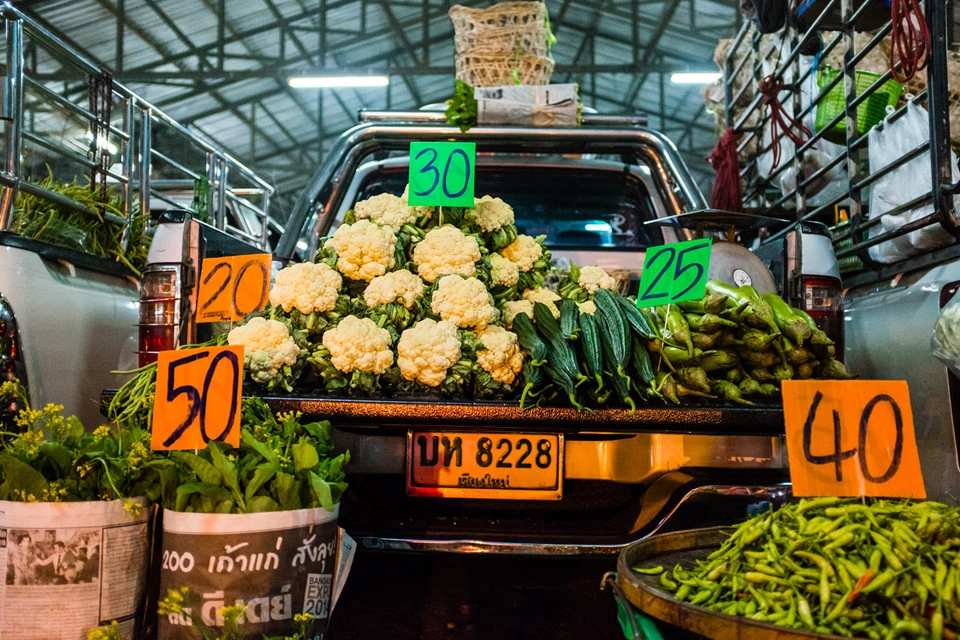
[
  {"x": 225, "y": 271},
  {"x": 196, "y": 398},
  {"x": 442, "y": 179},
  {"x": 839, "y": 455}
]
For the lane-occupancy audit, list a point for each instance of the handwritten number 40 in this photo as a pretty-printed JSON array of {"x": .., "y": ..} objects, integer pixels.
[
  {"x": 839, "y": 455},
  {"x": 198, "y": 398}
]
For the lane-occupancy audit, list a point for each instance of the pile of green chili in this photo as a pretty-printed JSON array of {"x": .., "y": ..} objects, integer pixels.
[{"x": 869, "y": 569}]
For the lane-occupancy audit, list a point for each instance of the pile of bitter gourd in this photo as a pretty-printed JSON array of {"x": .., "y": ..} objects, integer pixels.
[
  {"x": 866, "y": 569},
  {"x": 733, "y": 344}
]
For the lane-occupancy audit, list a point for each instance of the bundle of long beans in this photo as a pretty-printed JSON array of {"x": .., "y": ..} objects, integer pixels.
[{"x": 874, "y": 569}]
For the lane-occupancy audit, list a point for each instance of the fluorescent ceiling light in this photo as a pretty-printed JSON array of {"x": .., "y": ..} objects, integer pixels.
[
  {"x": 313, "y": 82},
  {"x": 695, "y": 77}
]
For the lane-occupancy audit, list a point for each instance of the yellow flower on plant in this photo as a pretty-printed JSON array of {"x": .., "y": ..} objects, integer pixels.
[
  {"x": 103, "y": 431},
  {"x": 132, "y": 507}
]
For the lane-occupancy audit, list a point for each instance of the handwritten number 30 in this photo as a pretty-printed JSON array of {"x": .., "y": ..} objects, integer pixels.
[
  {"x": 431, "y": 168},
  {"x": 197, "y": 398}
]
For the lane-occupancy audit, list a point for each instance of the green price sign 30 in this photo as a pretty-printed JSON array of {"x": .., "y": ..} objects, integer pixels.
[
  {"x": 441, "y": 174},
  {"x": 674, "y": 273}
]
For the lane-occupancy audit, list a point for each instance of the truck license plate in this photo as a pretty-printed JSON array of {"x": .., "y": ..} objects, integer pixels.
[{"x": 512, "y": 466}]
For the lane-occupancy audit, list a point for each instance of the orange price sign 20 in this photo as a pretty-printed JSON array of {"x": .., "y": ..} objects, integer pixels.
[
  {"x": 198, "y": 398},
  {"x": 233, "y": 287},
  {"x": 851, "y": 438}
]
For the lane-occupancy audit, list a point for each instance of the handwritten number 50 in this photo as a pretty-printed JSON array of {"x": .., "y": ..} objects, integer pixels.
[
  {"x": 196, "y": 398},
  {"x": 839, "y": 455}
]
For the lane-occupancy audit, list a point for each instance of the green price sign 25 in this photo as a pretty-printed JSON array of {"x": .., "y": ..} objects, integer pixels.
[
  {"x": 674, "y": 273},
  {"x": 441, "y": 174}
]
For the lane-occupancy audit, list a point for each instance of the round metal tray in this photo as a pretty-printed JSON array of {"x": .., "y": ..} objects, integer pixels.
[{"x": 686, "y": 547}]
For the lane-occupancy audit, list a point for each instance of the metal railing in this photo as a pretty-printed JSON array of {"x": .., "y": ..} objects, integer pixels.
[
  {"x": 150, "y": 156},
  {"x": 752, "y": 57}
]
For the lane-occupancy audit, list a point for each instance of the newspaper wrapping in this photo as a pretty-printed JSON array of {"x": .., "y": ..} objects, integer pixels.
[
  {"x": 274, "y": 564},
  {"x": 539, "y": 106},
  {"x": 70, "y": 567}
]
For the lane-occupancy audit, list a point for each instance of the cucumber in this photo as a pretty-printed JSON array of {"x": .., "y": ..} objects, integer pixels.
[{"x": 591, "y": 349}]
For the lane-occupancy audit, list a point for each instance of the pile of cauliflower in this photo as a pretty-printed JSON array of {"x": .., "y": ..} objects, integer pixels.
[{"x": 405, "y": 299}]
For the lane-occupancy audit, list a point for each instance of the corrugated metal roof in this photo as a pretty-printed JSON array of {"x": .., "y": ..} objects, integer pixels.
[{"x": 221, "y": 66}]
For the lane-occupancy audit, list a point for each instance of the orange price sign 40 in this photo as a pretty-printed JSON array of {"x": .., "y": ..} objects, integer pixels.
[
  {"x": 233, "y": 287},
  {"x": 851, "y": 438},
  {"x": 198, "y": 398}
]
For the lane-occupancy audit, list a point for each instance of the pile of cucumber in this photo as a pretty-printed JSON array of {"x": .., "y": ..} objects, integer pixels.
[{"x": 732, "y": 345}]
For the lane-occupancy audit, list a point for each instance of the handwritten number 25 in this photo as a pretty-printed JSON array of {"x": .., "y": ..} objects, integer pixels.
[
  {"x": 674, "y": 258},
  {"x": 196, "y": 398}
]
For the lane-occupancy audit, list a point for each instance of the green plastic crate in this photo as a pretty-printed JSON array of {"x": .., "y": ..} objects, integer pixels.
[{"x": 869, "y": 112}]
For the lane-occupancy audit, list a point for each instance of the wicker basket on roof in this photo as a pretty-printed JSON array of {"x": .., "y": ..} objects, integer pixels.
[{"x": 500, "y": 44}]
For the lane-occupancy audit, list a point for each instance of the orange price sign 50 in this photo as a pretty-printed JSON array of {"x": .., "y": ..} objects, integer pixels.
[
  {"x": 851, "y": 438},
  {"x": 198, "y": 398},
  {"x": 233, "y": 287}
]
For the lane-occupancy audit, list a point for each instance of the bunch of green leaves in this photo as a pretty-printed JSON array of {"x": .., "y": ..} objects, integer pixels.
[
  {"x": 281, "y": 464},
  {"x": 52, "y": 458},
  {"x": 462, "y": 108},
  {"x": 94, "y": 233}
]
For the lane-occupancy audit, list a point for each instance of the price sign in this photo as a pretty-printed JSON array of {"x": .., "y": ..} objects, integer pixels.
[
  {"x": 233, "y": 287},
  {"x": 198, "y": 398},
  {"x": 851, "y": 438},
  {"x": 441, "y": 173},
  {"x": 674, "y": 273}
]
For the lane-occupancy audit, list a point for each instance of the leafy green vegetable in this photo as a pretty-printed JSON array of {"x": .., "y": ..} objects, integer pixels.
[
  {"x": 462, "y": 108},
  {"x": 49, "y": 457},
  {"x": 281, "y": 464}
]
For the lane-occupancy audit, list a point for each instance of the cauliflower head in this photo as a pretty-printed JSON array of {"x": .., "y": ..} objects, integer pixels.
[
  {"x": 502, "y": 271},
  {"x": 306, "y": 287},
  {"x": 387, "y": 209},
  {"x": 446, "y": 250},
  {"x": 364, "y": 249},
  {"x": 589, "y": 307},
  {"x": 544, "y": 295},
  {"x": 501, "y": 356},
  {"x": 419, "y": 211},
  {"x": 524, "y": 251},
  {"x": 426, "y": 350},
  {"x": 492, "y": 213},
  {"x": 594, "y": 277},
  {"x": 401, "y": 286},
  {"x": 267, "y": 346},
  {"x": 512, "y": 308},
  {"x": 358, "y": 343},
  {"x": 464, "y": 301}
]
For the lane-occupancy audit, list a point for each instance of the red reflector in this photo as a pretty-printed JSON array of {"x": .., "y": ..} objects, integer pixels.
[{"x": 823, "y": 300}]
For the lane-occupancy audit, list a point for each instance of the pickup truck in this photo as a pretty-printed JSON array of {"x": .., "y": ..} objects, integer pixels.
[
  {"x": 601, "y": 194},
  {"x": 69, "y": 312}
]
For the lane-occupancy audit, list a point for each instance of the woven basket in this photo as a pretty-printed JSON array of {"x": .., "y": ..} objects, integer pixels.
[
  {"x": 506, "y": 27},
  {"x": 497, "y": 70},
  {"x": 495, "y": 43}
]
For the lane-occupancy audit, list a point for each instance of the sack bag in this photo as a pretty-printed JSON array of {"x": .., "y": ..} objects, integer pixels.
[{"x": 905, "y": 183}]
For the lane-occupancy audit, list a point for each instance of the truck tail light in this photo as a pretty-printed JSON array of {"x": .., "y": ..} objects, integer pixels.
[
  {"x": 823, "y": 300},
  {"x": 159, "y": 311},
  {"x": 11, "y": 361}
]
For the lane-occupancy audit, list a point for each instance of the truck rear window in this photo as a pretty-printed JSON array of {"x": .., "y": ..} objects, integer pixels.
[{"x": 572, "y": 206}]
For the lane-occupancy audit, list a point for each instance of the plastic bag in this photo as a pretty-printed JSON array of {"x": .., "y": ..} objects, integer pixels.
[
  {"x": 905, "y": 183},
  {"x": 829, "y": 186},
  {"x": 945, "y": 343}
]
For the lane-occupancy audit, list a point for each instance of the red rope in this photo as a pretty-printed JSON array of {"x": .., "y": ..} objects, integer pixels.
[
  {"x": 727, "y": 194},
  {"x": 910, "y": 38},
  {"x": 780, "y": 120}
]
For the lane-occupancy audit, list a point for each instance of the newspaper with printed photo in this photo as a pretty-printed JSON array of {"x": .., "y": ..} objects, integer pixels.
[{"x": 68, "y": 568}]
